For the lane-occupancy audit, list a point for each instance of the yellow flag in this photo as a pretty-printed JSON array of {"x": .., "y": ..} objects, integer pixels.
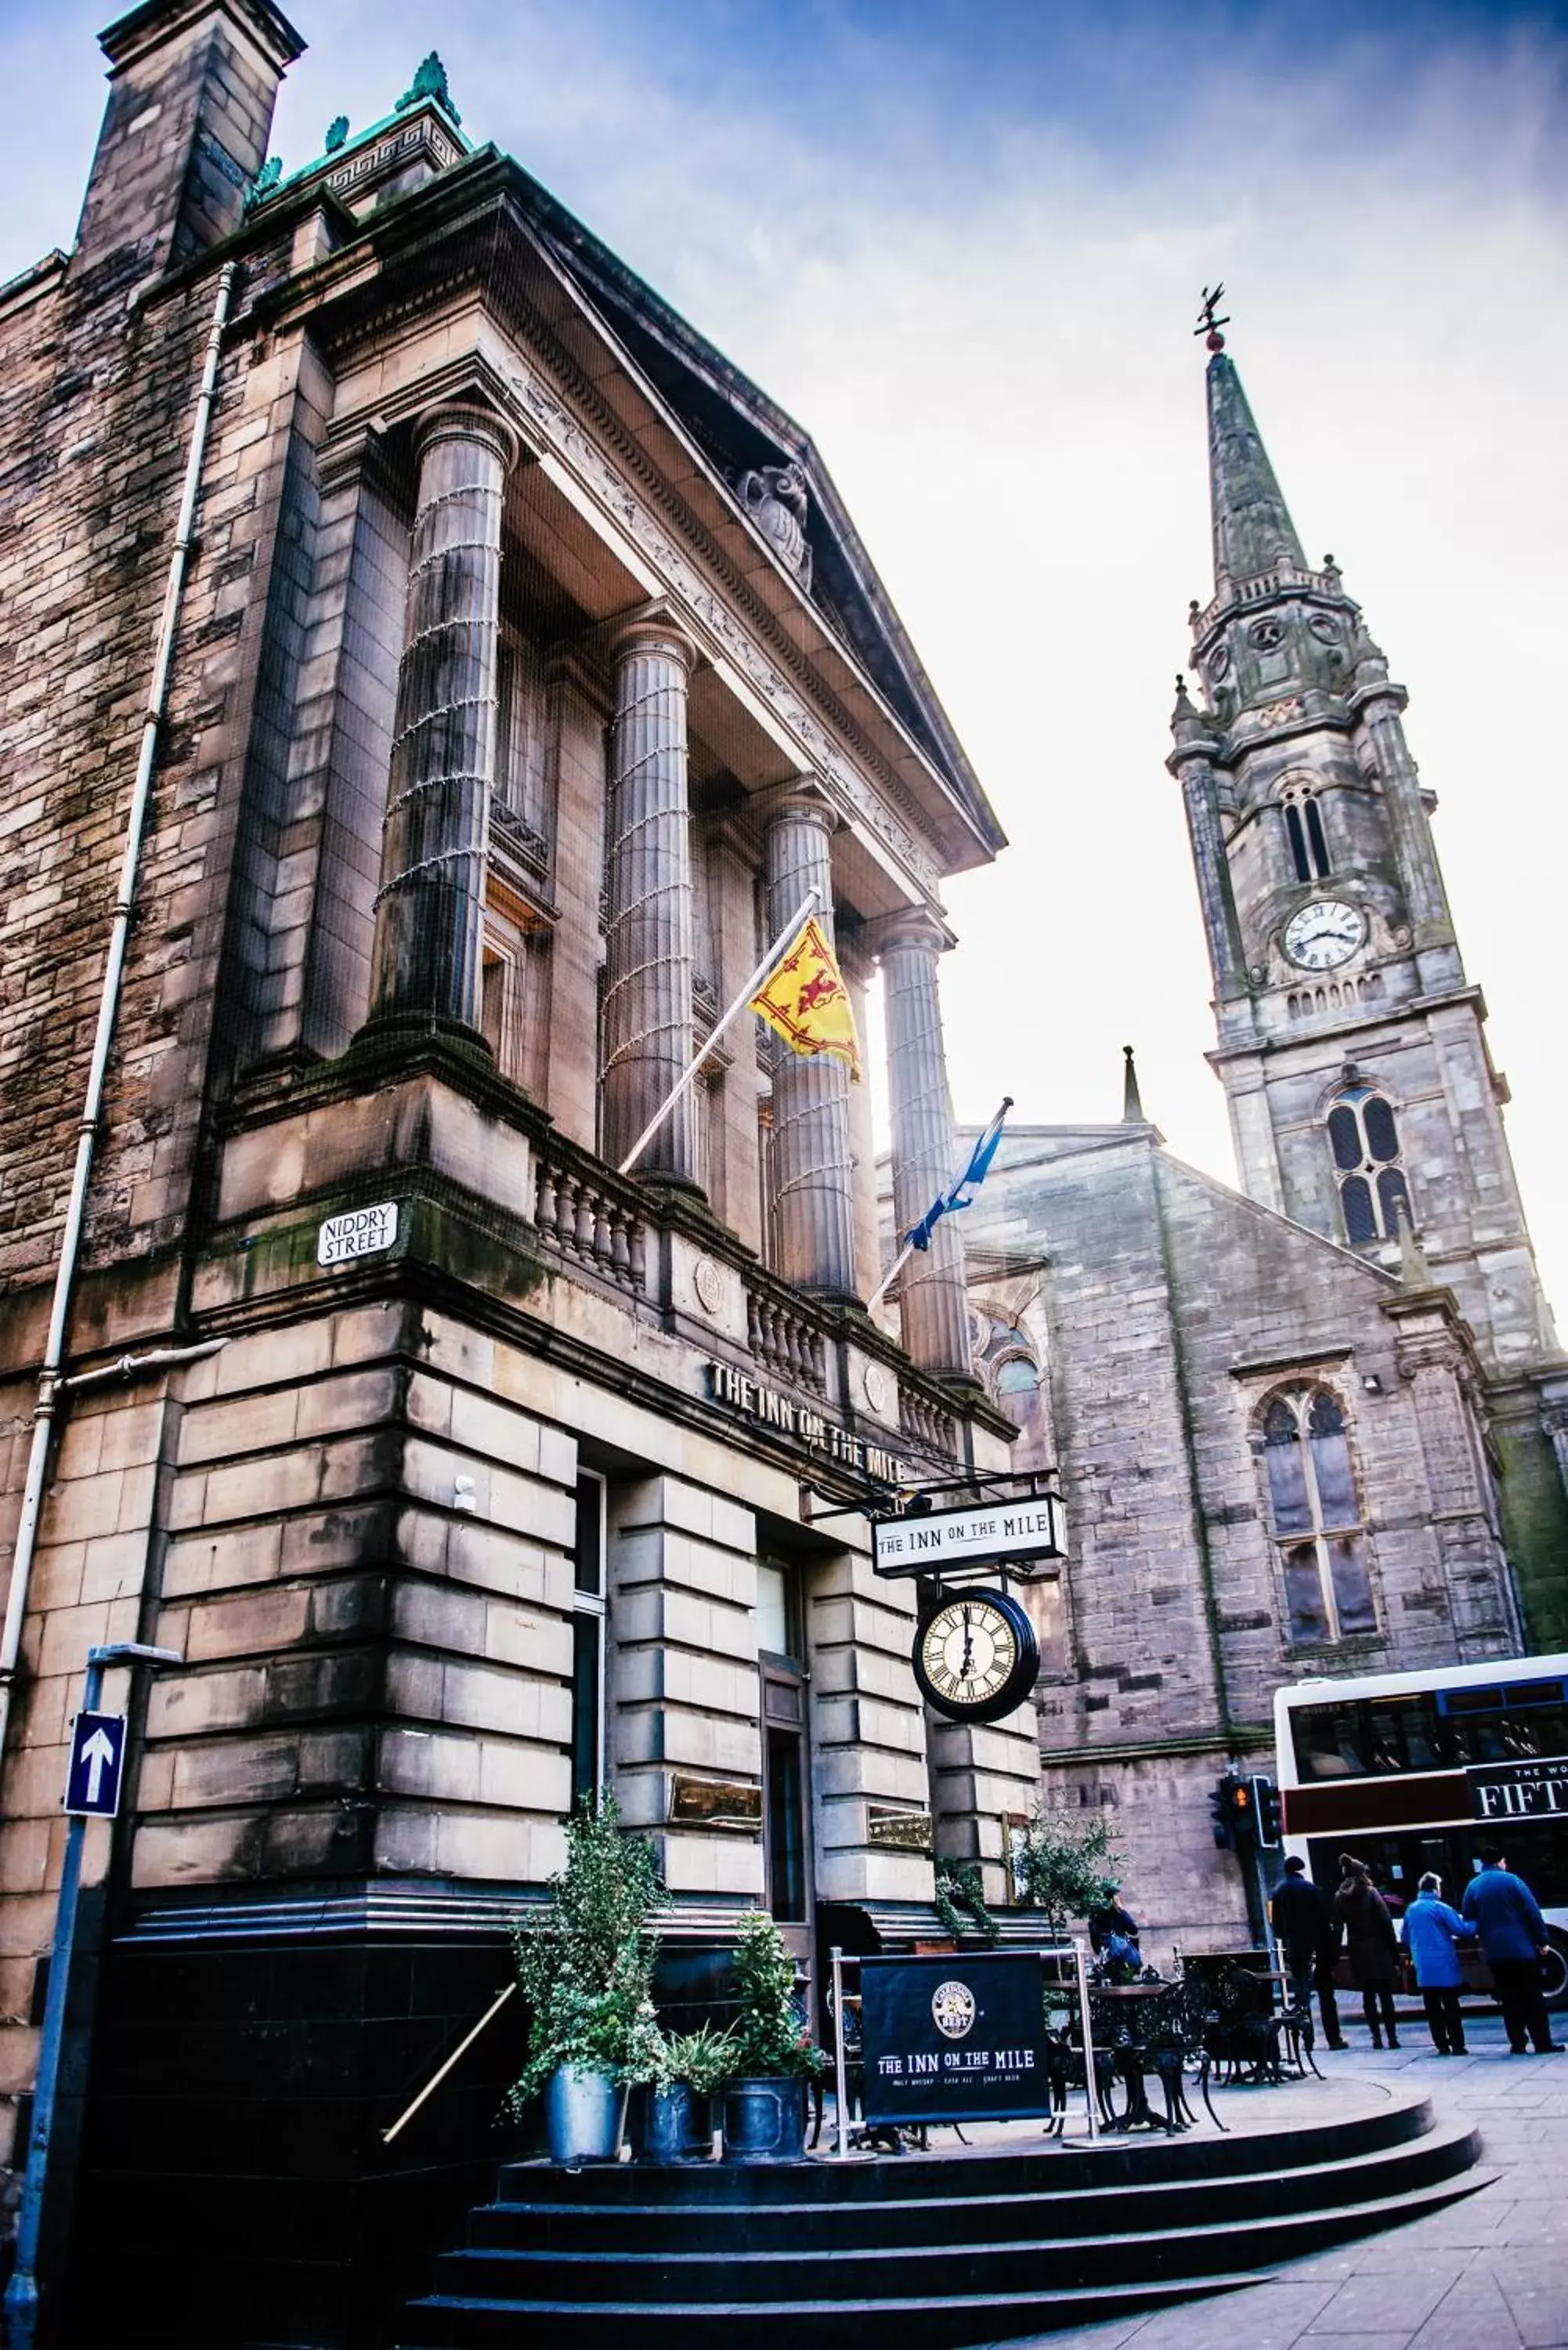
[{"x": 804, "y": 1000}]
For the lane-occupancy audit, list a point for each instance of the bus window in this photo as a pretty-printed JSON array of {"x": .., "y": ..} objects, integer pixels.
[{"x": 1328, "y": 1743}]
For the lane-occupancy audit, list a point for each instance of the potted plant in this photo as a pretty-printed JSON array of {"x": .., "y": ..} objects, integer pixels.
[
  {"x": 692, "y": 2068},
  {"x": 586, "y": 1968},
  {"x": 764, "y": 2099}
]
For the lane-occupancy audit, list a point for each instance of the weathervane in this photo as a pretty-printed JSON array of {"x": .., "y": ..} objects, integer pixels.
[{"x": 1207, "y": 324}]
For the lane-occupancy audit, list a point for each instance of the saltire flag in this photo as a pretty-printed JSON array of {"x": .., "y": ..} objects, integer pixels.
[
  {"x": 960, "y": 1194},
  {"x": 805, "y": 1000}
]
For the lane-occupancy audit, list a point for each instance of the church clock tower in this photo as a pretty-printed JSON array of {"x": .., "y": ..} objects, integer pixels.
[{"x": 1350, "y": 1044}]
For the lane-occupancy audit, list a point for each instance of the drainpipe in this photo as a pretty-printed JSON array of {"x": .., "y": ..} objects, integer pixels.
[{"x": 50, "y": 1379}]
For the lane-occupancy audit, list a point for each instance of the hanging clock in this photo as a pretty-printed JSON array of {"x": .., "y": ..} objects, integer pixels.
[{"x": 976, "y": 1656}]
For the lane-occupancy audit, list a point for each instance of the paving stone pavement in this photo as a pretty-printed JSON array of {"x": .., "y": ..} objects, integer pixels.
[{"x": 1490, "y": 2273}]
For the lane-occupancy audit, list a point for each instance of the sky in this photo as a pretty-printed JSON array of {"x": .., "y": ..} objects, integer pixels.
[{"x": 962, "y": 244}]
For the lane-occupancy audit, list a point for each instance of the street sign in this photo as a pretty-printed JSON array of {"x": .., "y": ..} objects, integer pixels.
[
  {"x": 1005, "y": 1532},
  {"x": 98, "y": 1757},
  {"x": 362, "y": 1232}
]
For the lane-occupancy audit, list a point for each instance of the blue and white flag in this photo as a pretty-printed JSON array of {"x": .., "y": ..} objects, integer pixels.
[{"x": 960, "y": 1194}]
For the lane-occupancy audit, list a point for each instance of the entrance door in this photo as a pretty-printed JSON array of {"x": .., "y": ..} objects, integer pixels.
[{"x": 786, "y": 1763}]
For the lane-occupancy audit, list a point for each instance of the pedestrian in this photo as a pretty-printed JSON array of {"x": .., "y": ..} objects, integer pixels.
[
  {"x": 1431, "y": 1932},
  {"x": 1371, "y": 1944},
  {"x": 1111, "y": 1917},
  {"x": 1513, "y": 1935},
  {"x": 1304, "y": 1925}
]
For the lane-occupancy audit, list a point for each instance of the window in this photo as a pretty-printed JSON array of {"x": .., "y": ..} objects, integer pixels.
[
  {"x": 781, "y": 1646},
  {"x": 1363, "y": 1135},
  {"x": 1316, "y": 1517},
  {"x": 1021, "y": 1393},
  {"x": 1305, "y": 832},
  {"x": 589, "y": 1642},
  {"x": 521, "y": 803}
]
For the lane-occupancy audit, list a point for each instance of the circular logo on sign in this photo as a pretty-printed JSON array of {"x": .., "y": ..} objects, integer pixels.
[
  {"x": 709, "y": 1282},
  {"x": 879, "y": 1392},
  {"x": 952, "y": 2009}
]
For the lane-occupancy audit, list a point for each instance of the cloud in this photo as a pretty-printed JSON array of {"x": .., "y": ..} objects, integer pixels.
[{"x": 963, "y": 247}]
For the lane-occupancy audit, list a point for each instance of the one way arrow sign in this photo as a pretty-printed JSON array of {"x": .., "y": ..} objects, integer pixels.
[{"x": 98, "y": 1753}]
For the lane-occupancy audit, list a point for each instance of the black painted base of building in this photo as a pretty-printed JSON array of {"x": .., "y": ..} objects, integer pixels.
[{"x": 235, "y": 2187}]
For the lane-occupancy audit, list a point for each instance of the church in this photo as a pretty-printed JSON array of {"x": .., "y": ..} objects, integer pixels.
[{"x": 1317, "y": 1424}]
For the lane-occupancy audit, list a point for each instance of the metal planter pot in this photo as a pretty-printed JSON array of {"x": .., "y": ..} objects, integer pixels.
[
  {"x": 764, "y": 2121},
  {"x": 585, "y": 2115},
  {"x": 677, "y": 2125}
]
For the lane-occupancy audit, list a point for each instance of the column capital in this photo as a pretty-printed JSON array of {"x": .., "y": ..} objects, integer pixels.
[
  {"x": 803, "y": 795},
  {"x": 463, "y": 419},
  {"x": 651, "y": 627},
  {"x": 913, "y": 926}
]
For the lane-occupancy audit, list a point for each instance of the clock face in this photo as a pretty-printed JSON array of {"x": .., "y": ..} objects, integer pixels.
[
  {"x": 1325, "y": 933},
  {"x": 976, "y": 1656}
]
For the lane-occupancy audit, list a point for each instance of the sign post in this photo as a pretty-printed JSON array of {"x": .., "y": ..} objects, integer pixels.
[{"x": 92, "y": 1791}]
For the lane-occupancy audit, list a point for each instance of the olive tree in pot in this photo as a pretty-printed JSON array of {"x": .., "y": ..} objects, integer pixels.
[
  {"x": 764, "y": 2101},
  {"x": 692, "y": 2068},
  {"x": 585, "y": 1967}
]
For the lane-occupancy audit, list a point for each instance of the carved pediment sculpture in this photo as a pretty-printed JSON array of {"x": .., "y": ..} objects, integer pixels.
[{"x": 775, "y": 499}]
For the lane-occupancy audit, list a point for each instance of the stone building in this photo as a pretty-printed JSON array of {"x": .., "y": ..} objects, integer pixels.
[
  {"x": 1293, "y": 1438},
  {"x": 480, "y": 677}
]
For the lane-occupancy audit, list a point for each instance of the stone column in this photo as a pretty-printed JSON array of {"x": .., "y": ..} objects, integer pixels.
[
  {"x": 1429, "y": 918},
  {"x": 1215, "y": 894},
  {"x": 426, "y": 962},
  {"x": 647, "y": 1001},
  {"x": 932, "y": 1311},
  {"x": 812, "y": 1164}
]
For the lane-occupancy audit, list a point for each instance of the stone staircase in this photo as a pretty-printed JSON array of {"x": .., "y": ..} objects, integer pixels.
[{"x": 929, "y": 2250}]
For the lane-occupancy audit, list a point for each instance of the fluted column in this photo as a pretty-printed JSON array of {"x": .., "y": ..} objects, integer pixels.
[
  {"x": 813, "y": 1164},
  {"x": 932, "y": 1310},
  {"x": 426, "y": 966},
  {"x": 648, "y": 1000}
]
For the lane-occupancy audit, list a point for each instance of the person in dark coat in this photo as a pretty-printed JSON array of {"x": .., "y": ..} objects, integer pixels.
[
  {"x": 1371, "y": 1945},
  {"x": 1111, "y": 1918},
  {"x": 1431, "y": 1932},
  {"x": 1304, "y": 1925},
  {"x": 1513, "y": 1935}
]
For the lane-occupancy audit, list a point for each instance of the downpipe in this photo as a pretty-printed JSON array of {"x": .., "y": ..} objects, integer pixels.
[{"x": 50, "y": 1382}]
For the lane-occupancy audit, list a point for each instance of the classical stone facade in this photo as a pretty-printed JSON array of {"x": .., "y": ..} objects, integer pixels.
[
  {"x": 519, "y": 671},
  {"x": 1294, "y": 1438}
]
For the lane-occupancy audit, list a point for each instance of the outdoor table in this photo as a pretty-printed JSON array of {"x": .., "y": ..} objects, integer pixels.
[{"x": 1139, "y": 2113}]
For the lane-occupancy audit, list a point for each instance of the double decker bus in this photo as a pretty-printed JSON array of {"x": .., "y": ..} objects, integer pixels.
[{"x": 1418, "y": 1770}]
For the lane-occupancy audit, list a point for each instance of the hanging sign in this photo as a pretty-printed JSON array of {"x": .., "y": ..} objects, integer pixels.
[
  {"x": 953, "y": 2039},
  {"x": 996, "y": 1531}
]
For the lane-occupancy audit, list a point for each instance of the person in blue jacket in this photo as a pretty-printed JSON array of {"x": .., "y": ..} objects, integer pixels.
[
  {"x": 1513, "y": 1935},
  {"x": 1430, "y": 1931}
]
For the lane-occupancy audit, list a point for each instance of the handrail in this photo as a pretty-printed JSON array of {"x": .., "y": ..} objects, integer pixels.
[{"x": 433, "y": 2084}]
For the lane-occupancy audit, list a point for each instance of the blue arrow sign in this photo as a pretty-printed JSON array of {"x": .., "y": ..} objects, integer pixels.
[{"x": 97, "y": 1756}]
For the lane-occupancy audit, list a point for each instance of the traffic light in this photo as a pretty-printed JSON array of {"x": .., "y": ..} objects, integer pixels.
[
  {"x": 1243, "y": 1819},
  {"x": 1265, "y": 1811},
  {"x": 1222, "y": 1810}
]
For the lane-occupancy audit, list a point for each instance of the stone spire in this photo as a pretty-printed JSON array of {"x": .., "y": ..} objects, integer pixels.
[
  {"x": 1132, "y": 1100},
  {"x": 1252, "y": 526}
]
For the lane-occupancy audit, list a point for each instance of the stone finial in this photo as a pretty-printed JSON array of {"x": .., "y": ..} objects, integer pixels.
[
  {"x": 1132, "y": 1100},
  {"x": 337, "y": 132},
  {"x": 1415, "y": 1273},
  {"x": 430, "y": 82}
]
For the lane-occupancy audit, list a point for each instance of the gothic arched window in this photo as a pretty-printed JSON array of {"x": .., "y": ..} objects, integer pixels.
[
  {"x": 1304, "y": 830},
  {"x": 1021, "y": 1394},
  {"x": 1363, "y": 1135},
  {"x": 1315, "y": 1513}
]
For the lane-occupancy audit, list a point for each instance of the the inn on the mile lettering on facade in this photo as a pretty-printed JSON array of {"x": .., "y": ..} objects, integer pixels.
[{"x": 482, "y": 671}]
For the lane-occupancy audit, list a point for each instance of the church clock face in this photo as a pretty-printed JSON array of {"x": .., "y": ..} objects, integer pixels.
[
  {"x": 976, "y": 1656},
  {"x": 1327, "y": 932}
]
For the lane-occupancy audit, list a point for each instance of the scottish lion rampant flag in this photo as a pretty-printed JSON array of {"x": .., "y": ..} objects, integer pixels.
[
  {"x": 804, "y": 1000},
  {"x": 960, "y": 1194}
]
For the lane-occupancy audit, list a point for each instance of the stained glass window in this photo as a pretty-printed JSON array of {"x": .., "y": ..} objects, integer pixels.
[{"x": 1364, "y": 1136}]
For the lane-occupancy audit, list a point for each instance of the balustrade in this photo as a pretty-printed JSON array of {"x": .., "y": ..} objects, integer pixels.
[
  {"x": 593, "y": 1221},
  {"x": 785, "y": 1341}
]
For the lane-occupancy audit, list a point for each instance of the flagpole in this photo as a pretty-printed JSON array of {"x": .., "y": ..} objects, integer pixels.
[
  {"x": 894, "y": 1269},
  {"x": 688, "y": 1075}
]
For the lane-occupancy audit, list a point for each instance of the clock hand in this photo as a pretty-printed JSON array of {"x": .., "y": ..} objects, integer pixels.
[{"x": 966, "y": 1668}]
